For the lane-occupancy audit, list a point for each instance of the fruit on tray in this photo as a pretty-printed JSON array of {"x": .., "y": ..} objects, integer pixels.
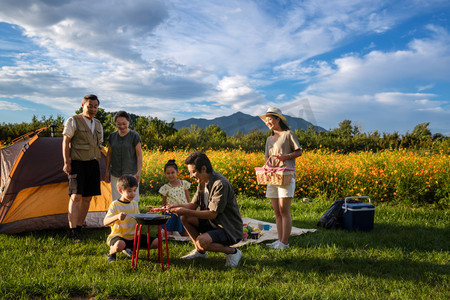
[{"x": 157, "y": 209}]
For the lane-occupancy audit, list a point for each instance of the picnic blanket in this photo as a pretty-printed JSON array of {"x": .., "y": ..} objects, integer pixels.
[{"x": 266, "y": 235}]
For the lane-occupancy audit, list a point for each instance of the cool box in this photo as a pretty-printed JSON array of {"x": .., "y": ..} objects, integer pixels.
[{"x": 358, "y": 216}]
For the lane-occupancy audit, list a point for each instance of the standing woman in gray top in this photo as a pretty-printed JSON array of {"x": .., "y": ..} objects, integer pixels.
[
  {"x": 124, "y": 155},
  {"x": 282, "y": 148}
]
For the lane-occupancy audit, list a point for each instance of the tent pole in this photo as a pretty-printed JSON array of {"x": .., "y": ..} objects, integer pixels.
[{"x": 52, "y": 128}]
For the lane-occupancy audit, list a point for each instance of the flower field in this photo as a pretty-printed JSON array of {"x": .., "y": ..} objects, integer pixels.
[{"x": 398, "y": 176}]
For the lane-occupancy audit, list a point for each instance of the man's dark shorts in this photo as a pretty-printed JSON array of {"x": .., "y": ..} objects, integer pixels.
[
  {"x": 130, "y": 243},
  {"x": 84, "y": 178},
  {"x": 217, "y": 235}
]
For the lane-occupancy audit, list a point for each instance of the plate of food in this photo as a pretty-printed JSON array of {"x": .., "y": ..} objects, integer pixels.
[{"x": 157, "y": 209}]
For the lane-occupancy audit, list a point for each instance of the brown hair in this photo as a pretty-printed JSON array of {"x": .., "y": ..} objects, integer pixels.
[
  {"x": 90, "y": 97},
  {"x": 171, "y": 163},
  {"x": 199, "y": 159},
  {"x": 283, "y": 125},
  {"x": 122, "y": 114},
  {"x": 126, "y": 181}
]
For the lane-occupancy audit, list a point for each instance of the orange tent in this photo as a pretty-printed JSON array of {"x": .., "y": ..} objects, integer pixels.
[{"x": 34, "y": 187}]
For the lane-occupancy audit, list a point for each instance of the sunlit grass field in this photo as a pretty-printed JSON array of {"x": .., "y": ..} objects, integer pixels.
[{"x": 406, "y": 256}]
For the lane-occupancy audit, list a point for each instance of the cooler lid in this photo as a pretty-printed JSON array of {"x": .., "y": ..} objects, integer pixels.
[{"x": 358, "y": 206}]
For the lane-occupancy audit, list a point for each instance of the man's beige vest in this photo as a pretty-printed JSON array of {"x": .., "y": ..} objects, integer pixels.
[{"x": 84, "y": 145}]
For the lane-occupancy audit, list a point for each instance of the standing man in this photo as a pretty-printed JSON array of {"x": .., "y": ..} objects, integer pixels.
[
  {"x": 83, "y": 137},
  {"x": 218, "y": 223}
]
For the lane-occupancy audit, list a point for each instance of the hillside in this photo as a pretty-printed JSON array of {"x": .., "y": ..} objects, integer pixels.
[{"x": 243, "y": 123}]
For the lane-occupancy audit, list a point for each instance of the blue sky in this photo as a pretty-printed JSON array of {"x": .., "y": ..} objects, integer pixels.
[{"x": 384, "y": 65}]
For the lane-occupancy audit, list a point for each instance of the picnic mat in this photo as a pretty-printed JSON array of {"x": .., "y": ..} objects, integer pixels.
[{"x": 267, "y": 235}]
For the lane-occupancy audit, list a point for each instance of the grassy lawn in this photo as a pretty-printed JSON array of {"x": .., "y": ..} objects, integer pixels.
[{"x": 406, "y": 256}]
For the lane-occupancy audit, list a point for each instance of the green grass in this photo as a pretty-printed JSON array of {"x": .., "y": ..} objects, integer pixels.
[{"x": 406, "y": 256}]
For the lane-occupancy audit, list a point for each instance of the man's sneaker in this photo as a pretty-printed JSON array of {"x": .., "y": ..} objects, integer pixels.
[
  {"x": 128, "y": 252},
  {"x": 233, "y": 259},
  {"x": 111, "y": 257},
  {"x": 194, "y": 254},
  {"x": 74, "y": 236},
  {"x": 280, "y": 245},
  {"x": 271, "y": 245}
]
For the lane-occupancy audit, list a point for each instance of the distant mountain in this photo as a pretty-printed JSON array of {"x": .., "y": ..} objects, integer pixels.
[{"x": 243, "y": 123}]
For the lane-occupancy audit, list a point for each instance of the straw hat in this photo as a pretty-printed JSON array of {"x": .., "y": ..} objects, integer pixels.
[{"x": 273, "y": 111}]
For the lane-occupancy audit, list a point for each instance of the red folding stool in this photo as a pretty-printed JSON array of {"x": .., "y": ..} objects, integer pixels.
[{"x": 150, "y": 219}]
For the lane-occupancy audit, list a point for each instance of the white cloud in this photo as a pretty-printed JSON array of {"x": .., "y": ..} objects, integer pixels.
[
  {"x": 384, "y": 90},
  {"x": 97, "y": 27},
  {"x": 280, "y": 97},
  {"x": 6, "y": 105},
  {"x": 238, "y": 37},
  {"x": 386, "y": 112},
  {"x": 234, "y": 91},
  {"x": 425, "y": 60},
  {"x": 168, "y": 58},
  {"x": 404, "y": 99},
  {"x": 425, "y": 87},
  {"x": 305, "y": 73}
]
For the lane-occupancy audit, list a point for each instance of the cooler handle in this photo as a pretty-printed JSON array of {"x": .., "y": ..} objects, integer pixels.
[{"x": 355, "y": 197}]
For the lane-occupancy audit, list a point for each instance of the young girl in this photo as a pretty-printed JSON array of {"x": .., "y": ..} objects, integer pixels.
[{"x": 176, "y": 191}]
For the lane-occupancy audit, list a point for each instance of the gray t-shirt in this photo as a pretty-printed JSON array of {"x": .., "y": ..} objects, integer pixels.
[
  {"x": 222, "y": 200},
  {"x": 286, "y": 143},
  {"x": 123, "y": 155}
]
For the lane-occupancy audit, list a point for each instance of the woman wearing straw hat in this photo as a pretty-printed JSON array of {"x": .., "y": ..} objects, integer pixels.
[{"x": 282, "y": 147}]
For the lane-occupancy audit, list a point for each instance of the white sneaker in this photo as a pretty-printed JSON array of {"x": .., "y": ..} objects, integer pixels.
[
  {"x": 194, "y": 254},
  {"x": 128, "y": 252},
  {"x": 233, "y": 259},
  {"x": 271, "y": 245},
  {"x": 280, "y": 245}
]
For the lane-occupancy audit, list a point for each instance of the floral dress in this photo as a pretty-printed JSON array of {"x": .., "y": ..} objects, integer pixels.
[{"x": 175, "y": 195}]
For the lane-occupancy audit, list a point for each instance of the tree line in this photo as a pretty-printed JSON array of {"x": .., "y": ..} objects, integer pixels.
[{"x": 159, "y": 134}]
